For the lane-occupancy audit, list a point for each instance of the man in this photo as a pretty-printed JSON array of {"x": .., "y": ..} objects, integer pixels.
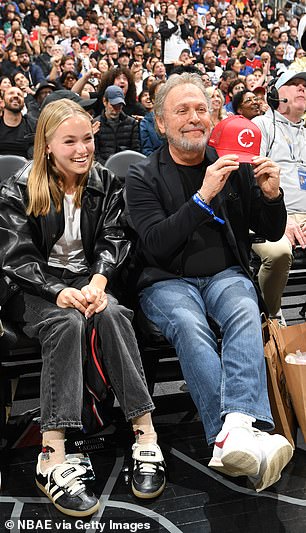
[
  {"x": 278, "y": 62},
  {"x": 289, "y": 50},
  {"x": 174, "y": 33},
  {"x": 92, "y": 38},
  {"x": 226, "y": 78},
  {"x": 263, "y": 42},
  {"x": 223, "y": 52},
  {"x": 112, "y": 52},
  {"x": 16, "y": 131},
  {"x": 284, "y": 141},
  {"x": 31, "y": 71},
  {"x": 195, "y": 249},
  {"x": 212, "y": 69},
  {"x": 43, "y": 60},
  {"x": 138, "y": 53},
  {"x": 43, "y": 89},
  {"x": 101, "y": 52},
  {"x": 252, "y": 60},
  {"x": 118, "y": 131},
  {"x": 124, "y": 58},
  {"x": 131, "y": 31}
]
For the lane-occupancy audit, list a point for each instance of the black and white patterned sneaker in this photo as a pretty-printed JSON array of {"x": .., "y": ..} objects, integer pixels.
[
  {"x": 63, "y": 485},
  {"x": 149, "y": 478}
]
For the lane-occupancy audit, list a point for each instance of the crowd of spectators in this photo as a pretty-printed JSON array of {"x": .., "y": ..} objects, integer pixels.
[{"x": 85, "y": 46}]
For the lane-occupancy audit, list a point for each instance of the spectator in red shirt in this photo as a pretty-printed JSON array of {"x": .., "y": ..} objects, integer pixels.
[
  {"x": 222, "y": 54},
  {"x": 92, "y": 38},
  {"x": 252, "y": 60}
]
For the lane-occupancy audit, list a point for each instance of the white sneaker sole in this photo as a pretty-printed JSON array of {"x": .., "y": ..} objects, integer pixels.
[
  {"x": 275, "y": 464},
  {"x": 69, "y": 512},
  {"x": 236, "y": 463}
]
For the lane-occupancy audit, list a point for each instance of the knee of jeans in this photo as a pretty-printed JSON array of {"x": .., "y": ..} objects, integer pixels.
[
  {"x": 116, "y": 312},
  {"x": 74, "y": 320},
  {"x": 186, "y": 319}
]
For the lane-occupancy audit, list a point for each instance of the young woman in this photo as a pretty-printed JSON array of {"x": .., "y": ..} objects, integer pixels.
[{"x": 62, "y": 243}]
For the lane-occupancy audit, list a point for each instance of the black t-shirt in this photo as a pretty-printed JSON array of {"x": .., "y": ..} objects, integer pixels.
[
  {"x": 207, "y": 251},
  {"x": 18, "y": 140}
]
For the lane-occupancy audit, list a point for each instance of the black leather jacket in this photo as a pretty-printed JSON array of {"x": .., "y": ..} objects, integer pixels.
[{"x": 26, "y": 241}]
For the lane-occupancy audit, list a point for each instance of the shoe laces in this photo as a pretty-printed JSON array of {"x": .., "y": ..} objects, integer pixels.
[
  {"x": 75, "y": 486},
  {"x": 147, "y": 468},
  {"x": 74, "y": 483}
]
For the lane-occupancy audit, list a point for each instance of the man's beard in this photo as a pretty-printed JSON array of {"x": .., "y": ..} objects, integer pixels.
[
  {"x": 15, "y": 110},
  {"x": 188, "y": 145}
]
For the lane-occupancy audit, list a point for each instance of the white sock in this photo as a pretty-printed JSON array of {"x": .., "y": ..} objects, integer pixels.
[
  {"x": 53, "y": 448},
  {"x": 144, "y": 430},
  {"x": 238, "y": 419}
]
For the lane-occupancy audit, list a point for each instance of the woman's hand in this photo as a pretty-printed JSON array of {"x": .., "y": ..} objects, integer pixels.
[
  {"x": 96, "y": 299},
  {"x": 71, "y": 297}
]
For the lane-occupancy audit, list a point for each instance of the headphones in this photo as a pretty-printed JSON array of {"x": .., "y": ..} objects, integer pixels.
[{"x": 273, "y": 99}]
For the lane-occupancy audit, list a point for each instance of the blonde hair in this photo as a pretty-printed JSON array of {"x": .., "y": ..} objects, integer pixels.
[
  {"x": 44, "y": 182},
  {"x": 209, "y": 91}
]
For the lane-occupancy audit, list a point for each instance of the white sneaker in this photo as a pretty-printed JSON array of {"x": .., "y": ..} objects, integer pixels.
[
  {"x": 63, "y": 485},
  {"x": 276, "y": 454},
  {"x": 236, "y": 452}
]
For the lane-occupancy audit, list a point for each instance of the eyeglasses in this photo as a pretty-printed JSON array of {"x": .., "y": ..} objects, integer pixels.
[{"x": 250, "y": 100}]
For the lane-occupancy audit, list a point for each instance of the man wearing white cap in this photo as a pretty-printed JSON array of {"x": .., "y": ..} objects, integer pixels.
[{"x": 284, "y": 141}]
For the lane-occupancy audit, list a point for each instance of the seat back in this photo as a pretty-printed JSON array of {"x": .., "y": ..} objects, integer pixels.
[
  {"x": 10, "y": 164},
  {"x": 119, "y": 163}
]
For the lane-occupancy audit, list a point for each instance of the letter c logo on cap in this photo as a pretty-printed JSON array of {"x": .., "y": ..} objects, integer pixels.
[{"x": 244, "y": 142}]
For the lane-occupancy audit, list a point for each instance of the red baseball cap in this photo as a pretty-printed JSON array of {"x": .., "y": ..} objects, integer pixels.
[{"x": 236, "y": 135}]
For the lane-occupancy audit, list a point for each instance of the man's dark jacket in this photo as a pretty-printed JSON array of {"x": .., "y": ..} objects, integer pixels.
[
  {"x": 165, "y": 221},
  {"x": 112, "y": 139}
]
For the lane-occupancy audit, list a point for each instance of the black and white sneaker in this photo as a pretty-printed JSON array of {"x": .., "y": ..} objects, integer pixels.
[
  {"x": 63, "y": 485},
  {"x": 149, "y": 478}
]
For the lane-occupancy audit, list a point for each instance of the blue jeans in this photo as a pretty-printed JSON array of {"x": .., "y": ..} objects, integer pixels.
[{"x": 234, "y": 382}]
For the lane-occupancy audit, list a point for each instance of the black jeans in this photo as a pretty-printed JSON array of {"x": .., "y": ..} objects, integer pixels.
[{"x": 61, "y": 333}]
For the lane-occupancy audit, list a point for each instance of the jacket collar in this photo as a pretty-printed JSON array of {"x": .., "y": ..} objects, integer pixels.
[
  {"x": 170, "y": 175},
  {"x": 94, "y": 181}
]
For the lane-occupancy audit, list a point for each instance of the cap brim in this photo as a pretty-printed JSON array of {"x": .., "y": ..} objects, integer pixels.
[
  {"x": 116, "y": 101},
  {"x": 243, "y": 156},
  {"x": 87, "y": 104},
  {"x": 287, "y": 78},
  {"x": 259, "y": 90},
  {"x": 52, "y": 87}
]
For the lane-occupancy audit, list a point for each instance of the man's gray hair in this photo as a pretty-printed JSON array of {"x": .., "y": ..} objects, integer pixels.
[{"x": 174, "y": 81}]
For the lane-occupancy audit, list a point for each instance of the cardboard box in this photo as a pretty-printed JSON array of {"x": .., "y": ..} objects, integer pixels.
[{"x": 293, "y": 338}]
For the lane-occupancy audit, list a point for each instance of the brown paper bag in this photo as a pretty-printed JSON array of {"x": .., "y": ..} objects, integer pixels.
[
  {"x": 281, "y": 406},
  {"x": 293, "y": 338}
]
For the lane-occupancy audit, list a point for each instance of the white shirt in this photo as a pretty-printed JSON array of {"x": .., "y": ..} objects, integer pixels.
[{"x": 68, "y": 251}]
